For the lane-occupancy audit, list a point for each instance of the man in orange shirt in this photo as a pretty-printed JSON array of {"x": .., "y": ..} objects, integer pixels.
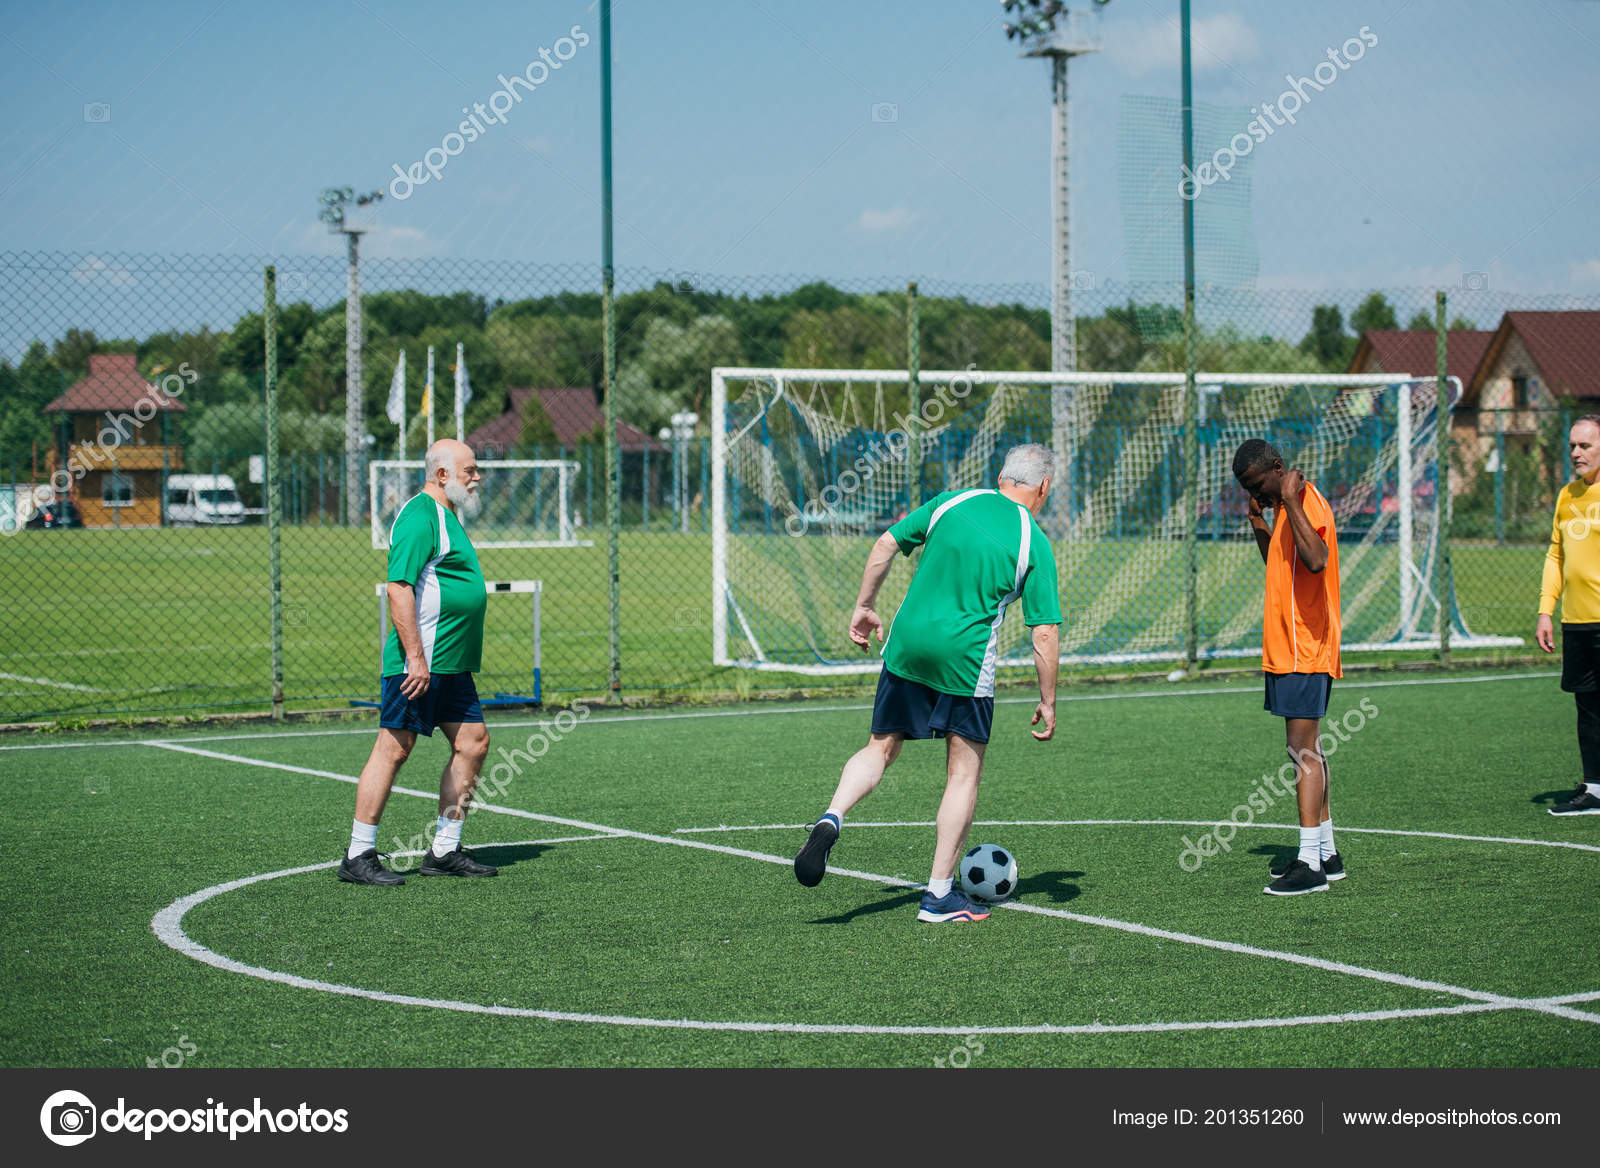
[{"x": 1299, "y": 645}]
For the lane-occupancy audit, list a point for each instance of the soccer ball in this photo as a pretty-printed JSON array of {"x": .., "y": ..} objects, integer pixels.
[{"x": 988, "y": 873}]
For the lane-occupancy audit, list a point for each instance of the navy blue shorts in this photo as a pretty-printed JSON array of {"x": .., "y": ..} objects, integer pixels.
[
  {"x": 450, "y": 697},
  {"x": 918, "y": 711},
  {"x": 1298, "y": 695}
]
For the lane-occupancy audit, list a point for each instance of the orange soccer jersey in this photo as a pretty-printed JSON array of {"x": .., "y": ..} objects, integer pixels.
[{"x": 1300, "y": 625}]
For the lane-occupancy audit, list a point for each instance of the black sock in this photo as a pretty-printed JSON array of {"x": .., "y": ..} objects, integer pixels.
[{"x": 1589, "y": 734}]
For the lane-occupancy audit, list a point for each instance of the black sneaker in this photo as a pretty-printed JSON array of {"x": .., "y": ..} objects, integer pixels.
[
  {"x": 1581, "y": 803},
  {"x": 812, "y": 862},
  {"x": 1332, "y": 867},
  {"x": 456, "y": 863},
  {"x": 365, "y": 869},
  {"x": 1298, "y": 878}
]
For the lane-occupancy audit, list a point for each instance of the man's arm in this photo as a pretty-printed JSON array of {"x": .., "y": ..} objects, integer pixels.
[
  {"x": 1258, "y": 524},
  {"x": 403, "y": 612},
  {"x": 864, "y": 619},
  {"x": 1307, "y": 543},
  {"x": 1047, "y": 664},
  {"x": 1544, "y": 629}
]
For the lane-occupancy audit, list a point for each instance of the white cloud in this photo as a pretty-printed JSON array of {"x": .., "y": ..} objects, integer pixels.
[
  {"x": 1586, "y": 273},
  {"x": 95, "y": 270},
  {"x": 1215, "y": 42},
  {"x": 894, "y": 219}
]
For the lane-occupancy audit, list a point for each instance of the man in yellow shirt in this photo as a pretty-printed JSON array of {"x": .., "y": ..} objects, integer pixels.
[{"x": 1572, "y": 575}]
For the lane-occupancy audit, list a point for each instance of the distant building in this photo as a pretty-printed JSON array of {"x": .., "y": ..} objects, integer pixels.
[
  {"x": 117, "y": 448},
  {"x": 1509, "y": 376},
  {"x": 574, "y": 416}
]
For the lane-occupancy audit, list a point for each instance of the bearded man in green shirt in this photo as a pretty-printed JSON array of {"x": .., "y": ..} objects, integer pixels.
[
  {"x": 981, "y": 550},
  {"x": 437, "y": 600}
]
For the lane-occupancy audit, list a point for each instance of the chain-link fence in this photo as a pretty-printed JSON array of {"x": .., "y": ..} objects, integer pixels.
[{"x": 132, "y": 448}]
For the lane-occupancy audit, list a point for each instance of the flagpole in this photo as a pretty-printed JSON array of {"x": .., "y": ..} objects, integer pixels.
[
  {"x": 427, "y": 395},
  {"x": 402, "y": 405},
  {"x": 462, "y": 389}
]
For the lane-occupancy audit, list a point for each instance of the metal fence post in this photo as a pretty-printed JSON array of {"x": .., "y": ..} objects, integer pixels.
[
  {"x": 914, "y": 395},
  {"x": 269, "y": 317},
  {"x": 1444, "y": 588}
]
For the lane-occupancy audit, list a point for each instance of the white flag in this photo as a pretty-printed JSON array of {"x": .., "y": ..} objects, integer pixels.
[
  {"x": 463, "y": 390},
  {"x": 397, "y": 392}
]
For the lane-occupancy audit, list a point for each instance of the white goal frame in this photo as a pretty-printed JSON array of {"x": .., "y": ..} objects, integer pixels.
[
  {"x": 567, "y": 471},
  {"x": 1410, "y": 636}
]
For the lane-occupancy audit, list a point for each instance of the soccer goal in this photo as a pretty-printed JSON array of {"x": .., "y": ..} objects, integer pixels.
[
  {"x": 525, "y": 502},
  {"x": 808, "y": 465}
]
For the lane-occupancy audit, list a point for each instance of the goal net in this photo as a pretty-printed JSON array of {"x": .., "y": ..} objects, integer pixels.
[
  {"x": 525, "y": 502},
  {"x": 810, "y": 465}
]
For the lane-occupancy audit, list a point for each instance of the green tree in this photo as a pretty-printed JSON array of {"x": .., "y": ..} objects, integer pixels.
[
  {"x": 1327, "y": 341},
  {"x": 1373, "y": 313}
]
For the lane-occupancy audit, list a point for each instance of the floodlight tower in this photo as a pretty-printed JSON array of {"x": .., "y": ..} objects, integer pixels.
[
  {"x": 333, "y": 200},
  {"x": 1046, "y": 29}
]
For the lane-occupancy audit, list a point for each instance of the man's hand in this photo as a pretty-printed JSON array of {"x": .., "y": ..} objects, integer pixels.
[
  {"x": 863, "y": 622},
  {"x": 1257, "y": 516},
  {"x": 1046, "y": 714},
  {"x": 416, "y": 679},
  {"x": 1545, "y": 633},
  {"x": 1292, "y": 483}
]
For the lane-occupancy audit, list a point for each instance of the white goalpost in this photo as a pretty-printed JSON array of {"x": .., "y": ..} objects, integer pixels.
[
  {"x": 807, "y": 463},
  {"x": 525, "y": 502}
]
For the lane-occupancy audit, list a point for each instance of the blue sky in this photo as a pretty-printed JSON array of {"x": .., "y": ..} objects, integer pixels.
[{"x": 746, "y": 142}]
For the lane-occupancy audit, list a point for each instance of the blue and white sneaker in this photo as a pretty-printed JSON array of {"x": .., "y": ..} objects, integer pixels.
[{"x": 952, "y": 906}]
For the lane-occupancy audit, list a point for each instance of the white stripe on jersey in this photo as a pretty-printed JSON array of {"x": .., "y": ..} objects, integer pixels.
[{"x": 985, "y": 687}]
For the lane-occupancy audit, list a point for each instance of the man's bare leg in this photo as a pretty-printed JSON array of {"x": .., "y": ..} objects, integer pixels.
[
  {"x": 859, "y": 779},
  {"x": 469, "y": 746},
  {"x": 964, "y": 769}
]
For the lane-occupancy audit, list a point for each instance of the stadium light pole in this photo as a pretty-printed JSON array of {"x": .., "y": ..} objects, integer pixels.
[
  {"x": 1047, "y": 29},
  {"x": 333, "y": 200}
]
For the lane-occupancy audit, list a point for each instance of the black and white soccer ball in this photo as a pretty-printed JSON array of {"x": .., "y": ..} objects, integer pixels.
[{"x": 989, "y": 873}]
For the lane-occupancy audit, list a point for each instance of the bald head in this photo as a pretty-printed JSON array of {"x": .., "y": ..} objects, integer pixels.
[
  {"x": 452, "y": 471},
  {"x": 446, "y": 454}
]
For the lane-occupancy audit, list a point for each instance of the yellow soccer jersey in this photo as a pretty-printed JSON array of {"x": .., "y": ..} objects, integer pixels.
[{"x": 1572, "y": 565}]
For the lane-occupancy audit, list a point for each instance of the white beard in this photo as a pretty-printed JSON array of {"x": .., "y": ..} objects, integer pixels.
[{"x": 463, "y": 499}]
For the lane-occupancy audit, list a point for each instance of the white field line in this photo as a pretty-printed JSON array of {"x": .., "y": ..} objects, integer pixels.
[
  {"x": 743, "y": 712},
  {"x": 1497, "y": 1000},
  {"x": 52, "y": 684},
  {"x": 168, "y": 926},
  {"x": 1485, "y": 839}
]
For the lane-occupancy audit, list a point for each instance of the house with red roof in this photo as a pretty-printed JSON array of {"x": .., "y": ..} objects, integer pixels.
[
  {"x": 1510, "y": 376},
  {"x": 118, "y": 449},
  {"x": 574, "y": 416}
]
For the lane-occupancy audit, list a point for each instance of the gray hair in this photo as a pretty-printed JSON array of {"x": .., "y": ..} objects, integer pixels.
[
  {"x": 1029, "y": 465},
  {"x": 439, "y": 455}
]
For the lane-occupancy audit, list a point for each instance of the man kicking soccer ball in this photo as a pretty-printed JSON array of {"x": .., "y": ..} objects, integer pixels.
[
  {"x": 981, "y": 550},
  {"x": 1299, "y": 646}
]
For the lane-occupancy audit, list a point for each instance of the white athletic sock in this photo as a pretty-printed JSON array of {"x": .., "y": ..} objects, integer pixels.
[
  {"x": 1327, "y": 838},
  {"x": 941, "y": 887},
  {"x": 1311, "y": 847},
  {"x": 363, "y": 837},
  {"x": 447, "y": 837},
  {"x": 1594, "y": 789},
  {"x": 838, "y": 816}
]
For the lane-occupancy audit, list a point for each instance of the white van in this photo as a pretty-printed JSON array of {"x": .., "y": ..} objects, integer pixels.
[{"x": 195, "y": 499}]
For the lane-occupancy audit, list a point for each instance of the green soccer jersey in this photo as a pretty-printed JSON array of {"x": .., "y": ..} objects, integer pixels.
[
  {"x": 980, "y": 552},
  {"x": 429, "y": 550}
]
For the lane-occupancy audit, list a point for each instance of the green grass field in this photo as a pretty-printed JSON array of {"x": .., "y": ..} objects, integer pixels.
[
  {"x": 646, "y": 914},
  {"x": 172, "y": 620}
]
